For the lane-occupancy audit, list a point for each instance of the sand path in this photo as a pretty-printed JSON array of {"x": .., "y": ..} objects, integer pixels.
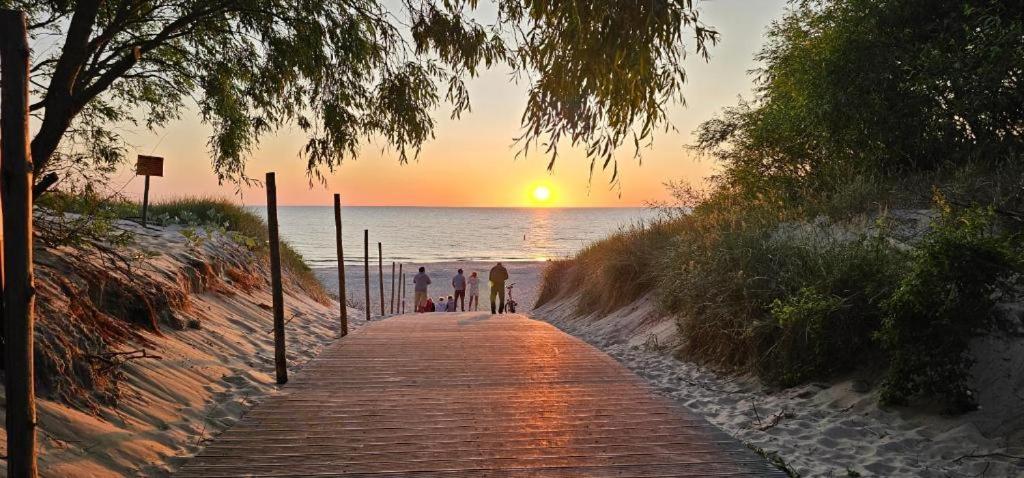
[{"x": 470, "y": 394}]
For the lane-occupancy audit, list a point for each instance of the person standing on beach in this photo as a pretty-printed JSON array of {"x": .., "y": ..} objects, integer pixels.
[
  {"x": 421, "y": 281},
  {"x": 459, "y": 283},
  {"x": 498, "y": 277},
  {"x": 474, "y": 292}
]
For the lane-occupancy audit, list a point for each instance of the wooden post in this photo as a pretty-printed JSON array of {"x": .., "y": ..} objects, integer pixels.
[
  {"x": 145, "y": 202},
  {"x": 275, "y": 281},
  {"x": 19, "y": 282},
  {"x": 366, "y": 269},
  {"x": 392, "y": 308},
  {"x": 380, "y": 275},
  {"x": 342, "y": 295},
  {"x": 403, "y": 293},
  {"x": 401, "y": 288}
]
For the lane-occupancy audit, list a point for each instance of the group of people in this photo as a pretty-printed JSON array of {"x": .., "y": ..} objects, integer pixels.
[{"x": 463, "y": 286}]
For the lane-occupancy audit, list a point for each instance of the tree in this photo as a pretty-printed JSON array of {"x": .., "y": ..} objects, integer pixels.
[
  {"x": 600, "y": 72},
  {"x": 880, "y": 88}
]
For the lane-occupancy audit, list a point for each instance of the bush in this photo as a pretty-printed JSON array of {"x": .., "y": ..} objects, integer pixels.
[
  {"x": 946, "y": 298},
  {"x": 790, "y": 300}
]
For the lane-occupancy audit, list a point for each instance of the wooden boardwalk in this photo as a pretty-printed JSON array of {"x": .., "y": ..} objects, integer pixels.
[{"x": 469, "y": 394}]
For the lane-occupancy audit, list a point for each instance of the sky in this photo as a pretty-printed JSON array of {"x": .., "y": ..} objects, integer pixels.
[{"x": 472, "y": 161}]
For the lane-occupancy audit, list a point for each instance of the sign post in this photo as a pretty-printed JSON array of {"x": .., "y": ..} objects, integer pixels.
[{"x": 148, "y": 166}]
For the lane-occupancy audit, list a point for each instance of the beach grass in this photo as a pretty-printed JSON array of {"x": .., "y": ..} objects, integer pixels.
[{"x": 193, "y": 211}]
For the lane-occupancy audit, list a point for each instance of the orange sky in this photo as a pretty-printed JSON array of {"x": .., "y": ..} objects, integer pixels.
[{"x": 472, "y": 161}]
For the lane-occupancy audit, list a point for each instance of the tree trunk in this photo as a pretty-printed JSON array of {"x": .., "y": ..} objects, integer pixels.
[{"x": 19, "y": 283}]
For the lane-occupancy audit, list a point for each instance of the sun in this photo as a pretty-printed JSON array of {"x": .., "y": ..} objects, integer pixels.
[{"x": 541, "y": 193}]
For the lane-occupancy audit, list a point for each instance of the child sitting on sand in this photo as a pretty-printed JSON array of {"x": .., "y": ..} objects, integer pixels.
[
  {"x": 451, "y": 305},
  {"x": 428, "y": 306},
  {"x": 440, "y": 306}
]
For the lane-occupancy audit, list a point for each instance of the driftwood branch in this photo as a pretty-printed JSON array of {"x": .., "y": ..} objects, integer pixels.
[{"x": 111, "y": 360}]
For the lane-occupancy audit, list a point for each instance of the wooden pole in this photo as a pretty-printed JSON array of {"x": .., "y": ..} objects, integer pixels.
[
  {"x": 342, "y": 294},
  {"x": 401, "y": 288},
  {"x": 404, "y": 293},
  {"x": 275, "y": 281},
  {"x": 19, "y": 281},
  {"x": 380, "y": 275},
  {"x": 366, "y": 269},
  {"x": 145, "y": 201},
  {"x": 392, "y": 308}
]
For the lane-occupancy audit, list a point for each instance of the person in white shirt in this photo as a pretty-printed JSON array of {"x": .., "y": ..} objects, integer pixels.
[
  {"x": 474, "y": 291},
  {"x": 440, "y": 306}
]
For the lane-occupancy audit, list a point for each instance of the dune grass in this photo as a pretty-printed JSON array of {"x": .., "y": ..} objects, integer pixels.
[
  {"x": 233, "y": 217},
  {"x": 196, "y": 211}
]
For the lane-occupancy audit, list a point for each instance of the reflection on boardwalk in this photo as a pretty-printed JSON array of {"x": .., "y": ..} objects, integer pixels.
[{"x": 440, "y": 395}]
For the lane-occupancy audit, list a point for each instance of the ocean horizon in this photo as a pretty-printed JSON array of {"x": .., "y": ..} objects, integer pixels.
[{"x": 423, "y": 234}]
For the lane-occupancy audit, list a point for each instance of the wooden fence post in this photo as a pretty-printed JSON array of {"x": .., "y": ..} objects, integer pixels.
[
  {"x": 392, "y": 308},
  {"x": 275, "y": 281},
  {"x": 19, "y": 282},
  {"x": 380, "y": 275},
  {"x": 366, "y": 269},
  {"x": 401, "y": 287},
  {"x": 342, "y": 294}
]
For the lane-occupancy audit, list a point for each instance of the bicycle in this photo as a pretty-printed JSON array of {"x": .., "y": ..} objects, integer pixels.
[{"x": 510, "y": 304}]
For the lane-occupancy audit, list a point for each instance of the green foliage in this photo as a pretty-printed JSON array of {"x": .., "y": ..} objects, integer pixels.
[
  {"x": 793, "y": 300},
  {"x": 876, "y": 87},
  {"x": 862, "y": 106},
  {"x": 346, "y": 72},
  {"x": 946, "y": 297}
]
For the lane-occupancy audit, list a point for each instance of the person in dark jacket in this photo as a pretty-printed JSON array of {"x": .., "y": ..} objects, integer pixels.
[
  {"x": 459, "y": 283},
  {"x": 497, "y": 278}
]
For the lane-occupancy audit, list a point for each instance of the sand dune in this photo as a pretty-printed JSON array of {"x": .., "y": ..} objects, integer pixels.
[{"x": 208, "y": 374}]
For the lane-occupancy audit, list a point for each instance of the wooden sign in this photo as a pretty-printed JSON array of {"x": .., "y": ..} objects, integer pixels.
[{"x": 149, "y": 166}]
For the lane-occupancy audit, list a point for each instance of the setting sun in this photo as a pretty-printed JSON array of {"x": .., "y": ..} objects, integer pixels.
[{"x": 541, "y": 193}]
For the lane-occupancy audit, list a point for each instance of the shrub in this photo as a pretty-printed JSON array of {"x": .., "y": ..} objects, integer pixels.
[
  {"x": 792, "y": 301},
  {"x": 944, "y": 299}
]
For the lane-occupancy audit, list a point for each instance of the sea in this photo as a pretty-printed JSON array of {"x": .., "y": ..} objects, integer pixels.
[{"x": 436, "y": 234}]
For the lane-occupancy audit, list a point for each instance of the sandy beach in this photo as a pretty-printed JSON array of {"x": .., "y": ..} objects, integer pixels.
[{"x": 525, "y": 275}]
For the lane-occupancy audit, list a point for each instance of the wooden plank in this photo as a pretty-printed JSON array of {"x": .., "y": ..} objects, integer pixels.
[{"x": 470, "y": 394}]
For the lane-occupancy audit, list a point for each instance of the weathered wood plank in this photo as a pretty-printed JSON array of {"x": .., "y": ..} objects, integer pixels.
[{"x": 469, "y": 394}]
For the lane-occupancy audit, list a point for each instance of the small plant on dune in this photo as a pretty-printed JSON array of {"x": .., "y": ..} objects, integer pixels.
[
  {"x": 804, "y": 320},
  {"x": 957, "y": 273},
  {"x": 84, "y": 219}
]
